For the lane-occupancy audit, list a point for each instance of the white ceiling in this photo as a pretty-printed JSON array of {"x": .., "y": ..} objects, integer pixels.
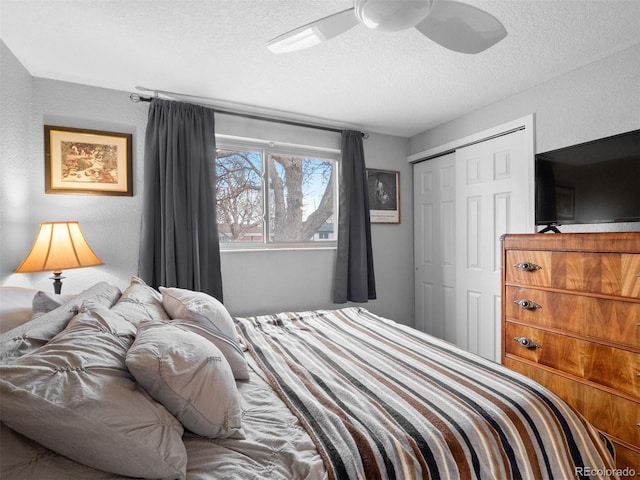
[{"x": 396, "y": 83}]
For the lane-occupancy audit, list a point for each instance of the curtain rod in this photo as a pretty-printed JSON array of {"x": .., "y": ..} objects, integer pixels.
[{"x": 136, "y": 98}]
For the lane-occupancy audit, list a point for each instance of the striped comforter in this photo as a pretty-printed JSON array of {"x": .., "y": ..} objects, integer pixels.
[{"x": 384, "y": 401}]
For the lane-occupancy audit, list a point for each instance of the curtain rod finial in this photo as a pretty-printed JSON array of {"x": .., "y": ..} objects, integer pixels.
[{"x": 135, "y": 98}]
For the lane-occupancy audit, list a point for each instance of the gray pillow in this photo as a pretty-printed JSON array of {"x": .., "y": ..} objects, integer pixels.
[
  {"x": 189, "y": 376},
  {"x": 34, "y": 334},
  {"x": 206, "y": 316},
  {"x": 76, "y": 397},
  {"x": 44, "y": 302}
]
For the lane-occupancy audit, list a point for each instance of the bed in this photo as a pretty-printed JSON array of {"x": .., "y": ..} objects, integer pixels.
[{"x": 140, "y": 383}]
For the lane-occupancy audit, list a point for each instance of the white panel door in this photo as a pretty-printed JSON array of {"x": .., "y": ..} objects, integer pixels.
[
  {"x": 434, "y": 246},
  {"x": 492, "y": 198}
]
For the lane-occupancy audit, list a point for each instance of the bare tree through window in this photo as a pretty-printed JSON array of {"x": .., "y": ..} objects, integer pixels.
[
  {"x": 239, "y": 194},
  {"x": 298, "y": 192}
]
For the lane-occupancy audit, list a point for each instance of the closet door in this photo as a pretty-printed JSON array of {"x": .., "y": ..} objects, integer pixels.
[
  {"x": 434, "y": 246},
  {"x": 493, "y": 185}
]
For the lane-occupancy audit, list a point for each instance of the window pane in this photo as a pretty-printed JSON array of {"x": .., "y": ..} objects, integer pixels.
[
  {"x": 295, "y": 190},
  {"x": 239, "y": 196},
  {"x": 301, "y": 198}
]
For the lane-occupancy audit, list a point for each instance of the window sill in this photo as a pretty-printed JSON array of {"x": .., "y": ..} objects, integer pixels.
[{"x": 276, "y": 248}]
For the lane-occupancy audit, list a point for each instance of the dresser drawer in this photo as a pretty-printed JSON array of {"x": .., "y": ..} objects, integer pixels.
[
  {"x": 605, "y": 273},
  {"x": 615, "y": 368},
  {"x": 616, "y": 416},
  {"x": 610, "y": 320},
  {"x": 627, "y": 458}
]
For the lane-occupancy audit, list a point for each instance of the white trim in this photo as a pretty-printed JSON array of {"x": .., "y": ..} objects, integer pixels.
[
  {"x": 526, "y": 122},
  {"x": 275, "y": 248},
  {"x": 271, "y": 144}
]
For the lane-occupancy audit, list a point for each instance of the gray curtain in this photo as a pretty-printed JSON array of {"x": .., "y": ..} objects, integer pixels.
[
  {"x": 179, "y": 245},
  {"x": 354, "y": 276}
]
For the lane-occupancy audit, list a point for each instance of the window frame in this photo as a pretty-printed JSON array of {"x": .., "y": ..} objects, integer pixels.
[{"x": 229, "y": 142}]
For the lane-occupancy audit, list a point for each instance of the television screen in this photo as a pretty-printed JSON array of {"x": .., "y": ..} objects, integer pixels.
[{"x": 593, "y": 182}]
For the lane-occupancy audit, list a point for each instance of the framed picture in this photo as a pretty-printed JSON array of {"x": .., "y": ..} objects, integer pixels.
[
  {"x": 565, "y": 202},
  {"x": 384, "y": 195},
  {"x": 88, "y": 162}
]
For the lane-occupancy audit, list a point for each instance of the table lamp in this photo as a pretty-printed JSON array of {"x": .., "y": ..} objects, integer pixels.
[{"x": 58, "y": 246}]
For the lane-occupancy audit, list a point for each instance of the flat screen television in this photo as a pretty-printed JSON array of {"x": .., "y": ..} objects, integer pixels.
[{"x": 593, "y": 182}]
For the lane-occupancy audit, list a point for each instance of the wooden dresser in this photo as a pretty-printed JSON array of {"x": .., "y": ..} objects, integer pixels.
[{"x": 571, "y": 321}]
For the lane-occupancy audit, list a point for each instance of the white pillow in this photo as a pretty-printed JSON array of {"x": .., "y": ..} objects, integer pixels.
[
  {"x": 140, "y": 302},
  {"x": 189, "y": 376},
  {"x": 206, "y": 316},
  {"x": 16, "y": 305},
  {"x": 76, "y": 397}
]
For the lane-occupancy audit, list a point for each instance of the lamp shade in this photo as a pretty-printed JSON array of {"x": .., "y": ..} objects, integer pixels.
[{"x": 59, "y": 246}]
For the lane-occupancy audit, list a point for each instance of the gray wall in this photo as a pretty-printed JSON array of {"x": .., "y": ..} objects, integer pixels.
[
  {"x": 254, "y": 282},
  {"x": 15, "y": 101},
  {"x": 598, "y": 100},
  {"x": 595, "y": 101}
]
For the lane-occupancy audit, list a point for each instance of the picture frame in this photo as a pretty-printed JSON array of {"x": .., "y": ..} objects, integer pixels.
[
  {"x": 565, "y": 200},
  {"x": 384, "y": 195},
  {"x": 89, "y": 162}
]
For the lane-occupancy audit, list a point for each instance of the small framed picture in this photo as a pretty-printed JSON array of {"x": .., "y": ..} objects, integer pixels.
[
  {"x": 384, "y": 195},
  {"x": 87, "y": 162}
]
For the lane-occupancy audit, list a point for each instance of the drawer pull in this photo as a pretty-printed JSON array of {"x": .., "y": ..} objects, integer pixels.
[
  {"x": 527, "y": 266},
  {"x": 526, "y": 304},
  {"x": 527, "y": 342}
]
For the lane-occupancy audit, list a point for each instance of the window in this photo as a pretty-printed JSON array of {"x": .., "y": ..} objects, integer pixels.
[{"x": 275, "y": 196}]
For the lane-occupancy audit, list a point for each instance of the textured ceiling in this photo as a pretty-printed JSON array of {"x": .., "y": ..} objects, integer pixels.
[{"x": 396, "y": 83}]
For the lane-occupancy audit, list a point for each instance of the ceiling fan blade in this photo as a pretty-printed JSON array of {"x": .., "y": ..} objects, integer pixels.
[
  {"x": 461, "y": 27},
  {"x": 314, "y": 33}
]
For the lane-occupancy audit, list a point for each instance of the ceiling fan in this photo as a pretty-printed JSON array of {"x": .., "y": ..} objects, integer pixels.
[{"x": 454, "y": 25}]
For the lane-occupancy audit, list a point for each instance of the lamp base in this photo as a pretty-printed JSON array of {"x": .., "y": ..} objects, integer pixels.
[{"x": 57, "y": 282}]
